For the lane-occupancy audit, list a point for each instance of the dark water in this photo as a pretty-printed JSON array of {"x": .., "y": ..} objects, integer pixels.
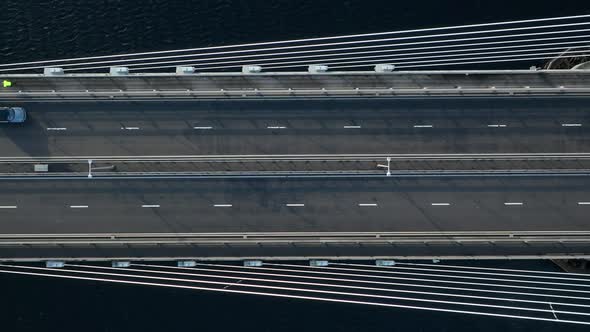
[
  {"x": 47, "y": 29},
  {"x": 44, "y": 29}
]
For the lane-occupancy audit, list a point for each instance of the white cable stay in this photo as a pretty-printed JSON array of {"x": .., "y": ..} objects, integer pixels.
[
  {"x": 395, "y": 58},
  {"x": 275, "y": 280},
  {"x": 437, "y": 54},
  {"x": 399, "y": 44},
  {"x": 386, "y": 59},
  {"x": 430, "y": 280},
  {"x": 452, "y": 40},
  {"x": 491, "y": 269},
  {"x": 310, "y": 39},
  {"x": 480, "y": 62},
  {"x": 438, "y": 47},
  {"x": 416, "y": 64},
  {"x": 379, "y": 269},
  {"x": 304, "y": 290},
  {"x": 371, "y": 41},
  {"x": 123, "y": 62},
  {"x": 320, "y": 270},
  {"x": 240, "y": 270},
  {"x": 291, "y": 296},
  {"x": 161, "y": 67},
  {"x": 456, "y": 276}
]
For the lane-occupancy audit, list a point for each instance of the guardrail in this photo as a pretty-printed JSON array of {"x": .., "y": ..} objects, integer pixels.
[
  {"x": 269, "y": 93},
  {"x": 299, "y": 237},
  {"x": 295, "y": 245},
  {"x": 305, "y": 157},
  {"x": 537, "y": 71}
]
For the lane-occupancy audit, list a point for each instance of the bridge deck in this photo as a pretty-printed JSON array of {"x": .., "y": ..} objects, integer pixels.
[{"x": 475, "y": 204}]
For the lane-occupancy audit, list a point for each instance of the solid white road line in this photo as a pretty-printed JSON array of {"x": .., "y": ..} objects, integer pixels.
[
  {"x": 367, "y": 204},
  {"x": 513, "y": 203},
  {"x": 295, "y": 205},
  {"x": 203, "y": 128},
  {"x": 150, "y": 206},
  {"x": 8, "y": 206},
  {"x": 78, "y": 206},
  {"x": 57, "y": 128},
  {"x": 440, "y": 204},
  {"x": 222, "y": 205},
  {"x": 571, "y": 124},
  {"x": 423, "y": 126}
]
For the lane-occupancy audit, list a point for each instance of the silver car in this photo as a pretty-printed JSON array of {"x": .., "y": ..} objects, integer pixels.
[{"x": 13, "y": 114}]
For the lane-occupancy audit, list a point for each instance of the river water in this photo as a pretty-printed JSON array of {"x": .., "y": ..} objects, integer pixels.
[{"x": 46, "y": 29}]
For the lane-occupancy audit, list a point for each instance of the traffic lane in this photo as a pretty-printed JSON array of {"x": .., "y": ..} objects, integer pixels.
[
  {"x": 301, "y": 127},
  {"x": 133, "y": 142},
  {"x": 296, "y": 205}
]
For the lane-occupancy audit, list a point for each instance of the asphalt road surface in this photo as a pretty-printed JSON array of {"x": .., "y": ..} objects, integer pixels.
[
  {"x": 325, "y": 126},
  {"x": 295, "y": 205}
]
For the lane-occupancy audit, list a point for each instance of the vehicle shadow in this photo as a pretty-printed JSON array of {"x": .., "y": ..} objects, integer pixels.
[{"x": 24, "y": 139}]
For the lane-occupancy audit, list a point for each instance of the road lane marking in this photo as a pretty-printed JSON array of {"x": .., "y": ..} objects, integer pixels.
[
  {"x": 57, "y": 128},
  {"x": 150, "y": 206},
  {"x": 583, "y": 203},
  {"x": 78, "y": 206},
  {"x": 367, "y": 204},
  {"x": 8, "y": 206},
  {"x": 440, "y": 204},
  {"x": 295, "y": 205},
  {"x": 202, "y": 128},
  {"x": 423, "y": 126},
  {"x": 276, "y": 127},
  {"x": 352, "y": 127},
  {"x": 222, "y": 205},
  {"x": 513, "y": 203},
  {"x": 571, "y": 124},
  {"x": 496, "y": 126},
  {"x": 130, "y": 128}
]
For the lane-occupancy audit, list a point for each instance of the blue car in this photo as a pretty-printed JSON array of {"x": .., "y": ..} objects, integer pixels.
[{"x": 13, "y": 114}]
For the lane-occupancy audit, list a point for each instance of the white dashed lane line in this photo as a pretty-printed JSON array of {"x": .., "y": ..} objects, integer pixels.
[
  {"x": 202, "y": 128},
  {"x": 57, "y": 129},
  {"x": 352, "y": 127},
  {"x": 222, "y": 205},
  {"x": 276, "y": 127},
  {"x": 423, "y": 126},
  {"x": 130, "y": 128},
  {"x": 571, "y": 124},
  {"x": 496, "y": 126},
  {"x": 228, "y": 205}
]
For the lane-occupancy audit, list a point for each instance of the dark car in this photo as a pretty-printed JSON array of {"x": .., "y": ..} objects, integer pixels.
[{"x": 13, "y": 114}]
